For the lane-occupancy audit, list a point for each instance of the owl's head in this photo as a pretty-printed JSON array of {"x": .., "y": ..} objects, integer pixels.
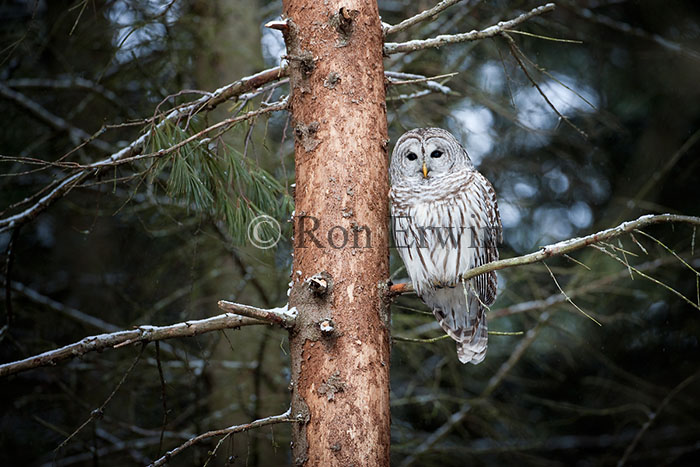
[{"x": 427, "y": 153}]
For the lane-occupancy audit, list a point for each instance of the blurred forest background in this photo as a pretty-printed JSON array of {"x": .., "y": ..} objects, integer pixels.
[{"x": 126, "y": 249}]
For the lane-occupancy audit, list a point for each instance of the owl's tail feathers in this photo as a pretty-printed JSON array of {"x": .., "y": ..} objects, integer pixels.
[
  {"x": 469, "y": 329},
  {"x": 474, "y": 350}
]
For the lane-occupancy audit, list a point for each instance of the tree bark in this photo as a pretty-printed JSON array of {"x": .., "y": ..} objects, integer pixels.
[{"x": 340, "y": 344}]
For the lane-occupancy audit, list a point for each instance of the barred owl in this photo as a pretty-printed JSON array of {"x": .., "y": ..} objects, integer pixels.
[{"x": 445, "y": 222}]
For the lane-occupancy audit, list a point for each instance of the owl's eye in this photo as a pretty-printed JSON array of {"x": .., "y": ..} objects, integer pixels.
[
  {"x": 435, "y": 154},
  {"x": 411, "y": 156}
]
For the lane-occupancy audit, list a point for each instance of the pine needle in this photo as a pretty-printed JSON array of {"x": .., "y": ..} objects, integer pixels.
[
  {"x": 547, "y": 38},
  {"x": 568, "y": 299}
]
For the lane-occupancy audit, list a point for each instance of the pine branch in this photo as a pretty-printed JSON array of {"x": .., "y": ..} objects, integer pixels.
[
  {"x": 282, "y": 418},
  {"x": 439, "y": 41},
  {"x": 565, "y": 246},
  {"x": 112, "y": 161},
  {"x": 118, "y": 339},
  {"x": 136, "y": 147}
]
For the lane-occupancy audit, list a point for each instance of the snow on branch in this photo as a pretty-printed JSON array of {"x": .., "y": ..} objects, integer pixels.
[
  {"x": 282, "y": 418},
  {"x": 134, "y": 149},
  {"x": 439, "y": 41},
  {"x": 566, "y": 246},
  {"x": 280, "y": 316},
  {"x": 143, "y": 334},
  {"x": 422, "y": 16},
  {"x": 397, "y": 78}
]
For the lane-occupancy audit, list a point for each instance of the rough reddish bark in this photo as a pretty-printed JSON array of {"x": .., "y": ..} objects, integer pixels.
[{"x": 340, "y": 345}]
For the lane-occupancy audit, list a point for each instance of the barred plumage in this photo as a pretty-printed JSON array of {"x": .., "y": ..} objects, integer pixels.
[{"x": 445, "y": 221}]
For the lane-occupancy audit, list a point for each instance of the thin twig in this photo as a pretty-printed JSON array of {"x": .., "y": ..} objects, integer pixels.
[
  {"x": 652, "y": 279},
  {"x": 9, "y": 260},
  {"x": 516, "y": 53},
  {"x": 162, "y": 397},
  {"x": 653, "y": 416},
  {"x": 99, "y": 412},
  {"x": 282, "y": 418},
  {"x": 568, "y": 299},
  {"x": 669, "y": 250}
]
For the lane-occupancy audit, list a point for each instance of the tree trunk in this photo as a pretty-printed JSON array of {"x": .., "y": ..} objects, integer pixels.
[{"x": 340, "y": 345}]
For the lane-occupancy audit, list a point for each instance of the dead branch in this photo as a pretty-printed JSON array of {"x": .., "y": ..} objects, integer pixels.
[
  {"x": 69, "y": 83},
  {"x": 565, "y": 246},
  {"x": 633, "y": 31},
  {"x": 397, "y": 78},
  {"x": 446, "y": 39},
  {"x": 282, "y": 418},
  {"x": 54, "y": 121},
  {"x": 654, "y": 414},
  {"x": 422, "y": 16},
  {"x": 280, "y": 316},
  {"x": 143, "y": 334}
]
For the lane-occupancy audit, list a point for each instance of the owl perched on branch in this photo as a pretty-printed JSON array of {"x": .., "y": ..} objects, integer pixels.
[{"x": 445, "y": 221}]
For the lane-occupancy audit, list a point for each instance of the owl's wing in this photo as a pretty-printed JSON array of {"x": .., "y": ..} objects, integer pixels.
[
  {"x": 485, "y": 233},
  {"x": 460, "y": 309}
]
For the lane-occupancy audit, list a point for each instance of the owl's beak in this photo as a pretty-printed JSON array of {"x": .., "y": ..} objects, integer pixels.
[{"x": 425, "y": 170}]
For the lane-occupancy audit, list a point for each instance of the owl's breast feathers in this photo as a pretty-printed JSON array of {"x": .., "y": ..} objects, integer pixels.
[{"x": 446, "y": 227}]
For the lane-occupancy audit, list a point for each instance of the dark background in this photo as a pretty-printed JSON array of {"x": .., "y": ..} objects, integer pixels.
[{"x": 568, "y": 393}]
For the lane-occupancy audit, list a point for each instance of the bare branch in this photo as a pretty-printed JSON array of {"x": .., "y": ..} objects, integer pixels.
[
  {"x": 143, "y": 334},
  {"x": 566, "y": 246},
  {"x": 634, "y": 31},
  {"x": 422, "y": 16},
  {"x": 54, "y": 121},
  {"x": 653, "y": 415},
  {"x": 439, "y": 41},
  {"x": 397, "y": 78},
  {"x": 279, "y": 316},
  {"x": 99, "y": 412},
  {"x": 282, "y": 418},
  {"x": 68, "y": 83}
]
